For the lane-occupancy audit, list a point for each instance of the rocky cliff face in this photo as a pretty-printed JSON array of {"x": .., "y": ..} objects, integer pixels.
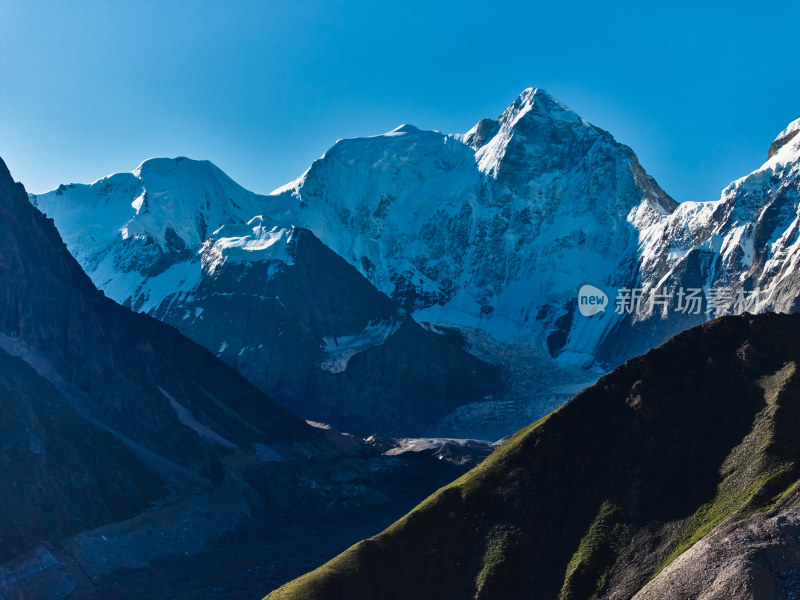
[
  {"x": 306, "y": 326},
  {"x": 60, "y": 474},
  {"x": 684, "y": 457},
  {"x": 739, "y": 253},
  {"x": 754, "y": 557}
]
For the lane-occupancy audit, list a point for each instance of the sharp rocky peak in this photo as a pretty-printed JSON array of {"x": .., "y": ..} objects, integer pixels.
[
  {"x": 531, "y": 104},
  {"x": 537, "y": 102}
]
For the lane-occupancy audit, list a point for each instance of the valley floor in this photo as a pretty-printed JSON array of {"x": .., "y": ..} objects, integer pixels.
[{"x": 318, "y": 509}]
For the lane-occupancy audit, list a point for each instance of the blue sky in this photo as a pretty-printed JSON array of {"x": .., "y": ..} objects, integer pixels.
[{"x": 697, "y": 89}]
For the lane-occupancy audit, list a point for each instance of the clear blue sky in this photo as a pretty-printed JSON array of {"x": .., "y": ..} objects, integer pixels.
[{"x": 87, "y": 88}]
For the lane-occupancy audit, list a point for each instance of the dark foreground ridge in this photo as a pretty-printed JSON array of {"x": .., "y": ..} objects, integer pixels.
[
  {"x": 107, "y": 415},
  {"x": 691, "y": 447}
]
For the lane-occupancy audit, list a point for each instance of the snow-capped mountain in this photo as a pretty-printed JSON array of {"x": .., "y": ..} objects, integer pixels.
[
  {"x": 179, "y": 240},
  {"x": 493, "y": 232},
  {"x": 498, "y": 229},
  {"x": 739, "y": 253},
  {"x": 107, "y": 415},
  {"x": 495, "y": 229},
  {"x": 125, "y": 447},
  {"x": 129, "y": 228},
  {"x": 747, "y": 240}
]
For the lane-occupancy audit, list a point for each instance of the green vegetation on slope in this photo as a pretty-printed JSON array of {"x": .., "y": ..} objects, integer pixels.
[
  {"x": 587, "y": 571},
  {"x": 760, "y": 472}
]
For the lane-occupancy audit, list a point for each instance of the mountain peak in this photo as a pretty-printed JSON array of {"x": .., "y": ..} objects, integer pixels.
[
  {"x": 784, "y": 137},
  {"x": 163, "y": 166},
  {"x": 4, "y": 172},
  {"x": 538, "y": 102},
  {"x": 537, "y": 128},
  {"x": 405, "y": 128},
  {"x": 175, "y": 202}
]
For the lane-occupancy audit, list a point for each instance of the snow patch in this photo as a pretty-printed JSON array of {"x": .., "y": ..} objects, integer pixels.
[
  {"x": 249, "y": 242},
  {"x": 339, "y": 350}
]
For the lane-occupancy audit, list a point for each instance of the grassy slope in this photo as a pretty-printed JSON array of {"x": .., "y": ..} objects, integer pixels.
[{"x": 601, "y": 495}]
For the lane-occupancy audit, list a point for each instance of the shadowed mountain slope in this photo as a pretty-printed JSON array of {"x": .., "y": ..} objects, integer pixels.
[
  {"x": 104, "y": 411},
  {"x": 60, "y": 475}
]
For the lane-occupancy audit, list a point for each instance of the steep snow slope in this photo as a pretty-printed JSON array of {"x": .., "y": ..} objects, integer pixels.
[
  {"x": 751, "y": 232},
  {"x": 500, "y": 232},
  {"x": 496, "y": 229}
]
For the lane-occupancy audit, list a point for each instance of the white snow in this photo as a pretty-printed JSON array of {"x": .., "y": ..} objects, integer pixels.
[
  {"x": 249, "y": 242},
  {"x": 725, "y": 228},
  {"x": 186, "y": 215},
  {"x": 422, "y": 444},
  {"x": 339, "y": 350}
]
